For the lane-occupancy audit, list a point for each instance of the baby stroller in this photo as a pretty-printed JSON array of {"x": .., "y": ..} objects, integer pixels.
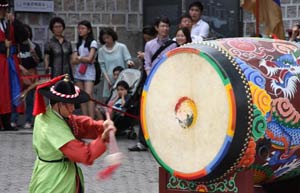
[{"x": 124, "y": 122}]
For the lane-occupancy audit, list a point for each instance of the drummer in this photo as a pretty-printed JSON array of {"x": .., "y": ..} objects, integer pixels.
[{"x": 56, "y": 138}]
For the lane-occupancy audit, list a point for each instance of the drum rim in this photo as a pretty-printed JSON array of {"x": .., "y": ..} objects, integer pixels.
[{"x": 227, "y": 140}]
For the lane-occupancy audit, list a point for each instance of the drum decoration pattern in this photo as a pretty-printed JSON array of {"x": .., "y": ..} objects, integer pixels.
[
  {"x": 260, "y": 79},
  {"x": 276, "y": 103},
  {"x": 227, "y": 185},
  {"x": 186, "y": 112}
]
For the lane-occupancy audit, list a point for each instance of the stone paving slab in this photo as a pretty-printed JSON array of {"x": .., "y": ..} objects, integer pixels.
[{"x": 138, "y": 172}]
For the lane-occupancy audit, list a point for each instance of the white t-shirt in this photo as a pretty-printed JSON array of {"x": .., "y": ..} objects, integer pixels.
[
  {"x": 90, "y": 73},
  {"x": 199, "y": 31}
]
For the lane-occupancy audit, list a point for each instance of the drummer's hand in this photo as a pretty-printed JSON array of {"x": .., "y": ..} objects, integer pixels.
[{"x": 108, "y": 126}]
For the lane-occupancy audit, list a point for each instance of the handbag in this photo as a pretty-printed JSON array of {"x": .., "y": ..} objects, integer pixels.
[{"x": 82, "y": 68}]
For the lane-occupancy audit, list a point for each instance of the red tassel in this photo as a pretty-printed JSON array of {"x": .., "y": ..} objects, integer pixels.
[
  {"x": 108, "y": 171},
  {"x": 113, "y": 159},
  {"x": 39, "y": 103}
]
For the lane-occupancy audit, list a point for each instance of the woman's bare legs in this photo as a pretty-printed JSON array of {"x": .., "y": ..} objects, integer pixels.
[
  {"x": 89, "y": 88},
  {"x": 83, "y": 106}
]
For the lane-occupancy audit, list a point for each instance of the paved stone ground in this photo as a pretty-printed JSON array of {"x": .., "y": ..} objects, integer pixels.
[{"x": 138, "y": 173}]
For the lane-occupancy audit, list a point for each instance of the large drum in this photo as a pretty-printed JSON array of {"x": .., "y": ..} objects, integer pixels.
[{"x": 212, "y": 108}]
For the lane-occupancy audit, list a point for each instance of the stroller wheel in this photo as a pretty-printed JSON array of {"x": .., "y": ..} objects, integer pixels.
[{"x": 131, "y": 135}]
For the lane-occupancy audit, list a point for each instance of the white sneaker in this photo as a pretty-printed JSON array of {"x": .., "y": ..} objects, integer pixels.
[
  {"x": 27, "y": 125},
  {"x": 13, "y": 124}
]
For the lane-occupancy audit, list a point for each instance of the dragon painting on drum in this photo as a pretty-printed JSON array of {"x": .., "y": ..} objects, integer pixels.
[
  {"x": 245, "y": 114},
  {"x": 274, "y": 82}
]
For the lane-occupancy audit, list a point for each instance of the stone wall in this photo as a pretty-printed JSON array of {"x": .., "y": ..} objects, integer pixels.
[{"x": 124, "y": 16}]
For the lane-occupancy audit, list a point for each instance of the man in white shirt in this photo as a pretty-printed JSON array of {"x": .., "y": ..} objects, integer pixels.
[{"x": 200, "y": 29}]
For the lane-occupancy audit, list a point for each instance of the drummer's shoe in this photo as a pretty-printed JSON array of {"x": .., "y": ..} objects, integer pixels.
[{"x": 138, "y": 147}]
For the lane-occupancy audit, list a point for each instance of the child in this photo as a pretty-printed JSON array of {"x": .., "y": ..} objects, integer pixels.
[
  {"x": 120, "y": 104},
  {"x": 116, "y": 71},
  {"x": 117, "y": 103},
  {"x": 98, "y": 110},
  {"x": 122, "y": 89}
]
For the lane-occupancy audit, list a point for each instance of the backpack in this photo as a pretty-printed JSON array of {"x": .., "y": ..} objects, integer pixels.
[{"x": 98, "y": 71}]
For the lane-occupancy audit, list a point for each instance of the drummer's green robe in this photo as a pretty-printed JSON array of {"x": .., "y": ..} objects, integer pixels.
[{"x": 51, "y": 133}]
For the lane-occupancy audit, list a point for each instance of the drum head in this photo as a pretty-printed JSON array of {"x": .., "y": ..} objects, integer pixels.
[{"x": 188, "y": 113}]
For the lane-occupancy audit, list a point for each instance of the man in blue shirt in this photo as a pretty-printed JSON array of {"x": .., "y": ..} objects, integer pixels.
[{"x": 154, "y": 50}]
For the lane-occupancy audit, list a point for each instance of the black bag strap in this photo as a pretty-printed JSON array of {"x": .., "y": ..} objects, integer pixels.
[{"x": 167, "y": 44}]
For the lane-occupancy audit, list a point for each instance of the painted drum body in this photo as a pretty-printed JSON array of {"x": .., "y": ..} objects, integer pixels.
[{"x": 213, "y": 108}]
